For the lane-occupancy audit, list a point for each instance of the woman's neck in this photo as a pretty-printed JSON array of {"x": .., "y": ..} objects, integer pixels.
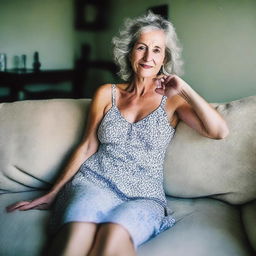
[{"x": 141, "y": 86}]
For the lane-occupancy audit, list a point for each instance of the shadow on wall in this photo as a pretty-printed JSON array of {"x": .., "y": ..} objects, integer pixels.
[
  {"x": 92, "y": 73},
  {"x": 92, "y": 15}
]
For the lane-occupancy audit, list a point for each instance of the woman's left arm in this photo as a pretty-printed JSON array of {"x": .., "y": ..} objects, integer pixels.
[{"x": 193, "y": 109}]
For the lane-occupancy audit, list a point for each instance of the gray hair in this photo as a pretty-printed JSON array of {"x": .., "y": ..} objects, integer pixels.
[{"x": 132, "y": 28}]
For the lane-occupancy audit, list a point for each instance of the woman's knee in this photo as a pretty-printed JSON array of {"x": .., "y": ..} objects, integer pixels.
[
  {"x": 113, "y": 239},
  {"x": 114, "y": 230},
  {"x": 74, "y": 238},
  {"x": 73, "y": 231}
]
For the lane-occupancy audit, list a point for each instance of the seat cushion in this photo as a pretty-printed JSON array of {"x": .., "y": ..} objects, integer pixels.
[
  {"x": 22, "y": 232},
  {"x": 249, "y": 220},
  {"x": 203, "y": 227},
  {"x": 197, "y": 166}
]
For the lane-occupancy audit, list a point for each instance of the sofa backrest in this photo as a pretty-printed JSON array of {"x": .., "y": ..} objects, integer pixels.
[
  {"x": 225, "y": 169},
  {"x": 37, "y": 137}
]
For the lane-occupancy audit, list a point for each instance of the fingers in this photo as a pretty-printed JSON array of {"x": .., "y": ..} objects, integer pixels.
[
  {"x": 23, "y": 206},
  {"x": 32, "y": 205},
  {"x": 169, "y": 78},
  {"x": 159, "y": 91},
  {"x": 159, "y": 83},
  {"x": 40, "y": 203},
  {"x": 162, "y": 80},
  {"x": 16, "y": 206}
]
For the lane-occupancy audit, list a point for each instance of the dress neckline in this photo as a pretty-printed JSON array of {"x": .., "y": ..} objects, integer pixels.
[
  {"x": 162, "y": 102},
  {"x": 142, "y": 119}
]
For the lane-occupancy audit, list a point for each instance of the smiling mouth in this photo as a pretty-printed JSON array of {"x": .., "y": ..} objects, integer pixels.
[{"x": 145, "y": 66}]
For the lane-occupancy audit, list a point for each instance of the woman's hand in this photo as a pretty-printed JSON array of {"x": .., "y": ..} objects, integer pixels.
[
  {"x": 193, "y": 109},
  {"x": 41, "y": 203},
  {"x": 170, "y": 85}
]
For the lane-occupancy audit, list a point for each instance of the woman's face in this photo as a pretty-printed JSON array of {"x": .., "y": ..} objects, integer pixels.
[{"x": 148, "y": 53}]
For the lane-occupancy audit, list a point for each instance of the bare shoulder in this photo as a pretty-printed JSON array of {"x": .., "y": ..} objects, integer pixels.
[
  {"x": 100, "y": 100},
  {"x": 102, "y": 96},
  {"x": 103, "y": 91}
]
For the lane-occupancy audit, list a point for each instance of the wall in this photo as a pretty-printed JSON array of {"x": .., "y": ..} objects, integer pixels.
[
  {"x": 45, "y": 26},
  {"x": 218, "y": 37}
]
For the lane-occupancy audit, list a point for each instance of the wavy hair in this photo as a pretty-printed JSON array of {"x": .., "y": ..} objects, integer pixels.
[{"x": 129, "y": 34}]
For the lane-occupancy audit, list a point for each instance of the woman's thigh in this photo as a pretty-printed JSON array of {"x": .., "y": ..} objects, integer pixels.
[
  {"x": 83, "y": 203},
  {"x": 73, "y": 238},
  {"x": 112, "y": 239},
  {"x": 142, "y": 218}
]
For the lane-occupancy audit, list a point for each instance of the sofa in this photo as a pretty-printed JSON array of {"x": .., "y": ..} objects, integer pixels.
[{"x": 210, "y": 184}]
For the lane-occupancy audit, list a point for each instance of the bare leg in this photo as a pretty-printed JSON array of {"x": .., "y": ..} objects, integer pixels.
[
  {"x": 112, "y": 240},
  {"x": 73, "y": 239}
]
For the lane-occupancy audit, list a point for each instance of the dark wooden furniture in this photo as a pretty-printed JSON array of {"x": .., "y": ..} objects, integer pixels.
[{"x": 16, "y": 80}]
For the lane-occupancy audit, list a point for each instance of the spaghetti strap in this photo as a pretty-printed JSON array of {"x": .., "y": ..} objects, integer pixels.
[
  {"x": 113, "y": 94},
  {"x": 163, "y": 101}
]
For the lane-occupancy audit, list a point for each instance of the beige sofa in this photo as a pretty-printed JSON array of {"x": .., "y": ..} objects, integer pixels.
[{"x": 210, "y": 184}]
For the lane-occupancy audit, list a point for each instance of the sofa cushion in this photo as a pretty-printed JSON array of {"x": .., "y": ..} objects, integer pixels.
[
  {"x": 22, "y": 232},
  {"x": 203, "y": 227},
  {"x": 249, "y": 221},
  {"x": 196, "y": 166},
  {"x": 36, "y": 137}
]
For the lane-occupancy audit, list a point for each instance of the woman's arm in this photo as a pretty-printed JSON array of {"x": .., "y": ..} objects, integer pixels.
[
  {"x": 193, "y": 109},
  {"x": 89, "y": 144},
  {"x": 86, "y": 148}
]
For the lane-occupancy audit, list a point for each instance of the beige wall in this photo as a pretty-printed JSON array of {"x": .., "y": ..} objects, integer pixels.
[{"x": 218, "y": 37}]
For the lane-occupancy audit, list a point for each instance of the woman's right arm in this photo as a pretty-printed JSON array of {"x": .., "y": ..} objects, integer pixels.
[{"x": 88, "y": 146}]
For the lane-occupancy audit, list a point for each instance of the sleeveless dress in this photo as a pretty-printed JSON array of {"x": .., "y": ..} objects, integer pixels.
[{"x": 123, "y": 181}]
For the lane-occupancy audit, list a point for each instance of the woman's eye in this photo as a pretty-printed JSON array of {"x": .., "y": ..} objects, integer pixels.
[
  {"x": 156, "y": 50},
  {"x": 141, "y": 48}
]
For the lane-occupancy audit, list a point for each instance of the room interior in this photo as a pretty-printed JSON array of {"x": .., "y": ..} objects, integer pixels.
[
  {"x": 55, "y": 49},
  {"x": 73, "y": 37}
]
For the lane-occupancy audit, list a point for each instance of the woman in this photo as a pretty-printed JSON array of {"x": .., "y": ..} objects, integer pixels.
[{"x": 110, "y": 197}]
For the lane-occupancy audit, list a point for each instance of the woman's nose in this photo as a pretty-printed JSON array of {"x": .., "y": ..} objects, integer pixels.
[{"x": 147, "y": 56}]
